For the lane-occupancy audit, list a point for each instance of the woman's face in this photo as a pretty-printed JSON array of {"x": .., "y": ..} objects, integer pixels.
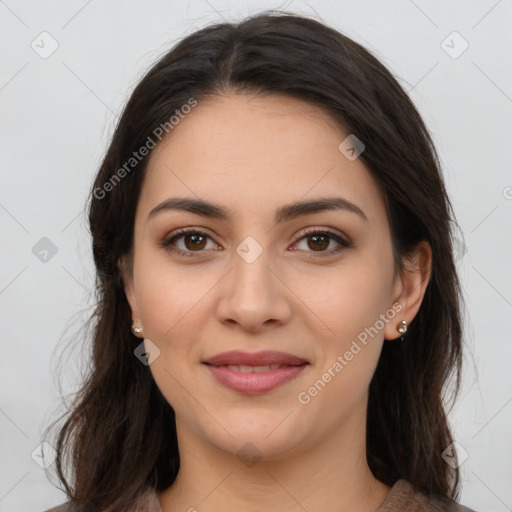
[{"x": 317, "y": 284}]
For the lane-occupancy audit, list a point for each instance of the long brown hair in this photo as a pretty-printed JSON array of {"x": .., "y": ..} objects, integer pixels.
[{"x": 119, "y": 436}]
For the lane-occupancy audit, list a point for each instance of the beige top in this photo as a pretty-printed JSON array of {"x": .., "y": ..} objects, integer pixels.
[{"x": 401, "y": 498}]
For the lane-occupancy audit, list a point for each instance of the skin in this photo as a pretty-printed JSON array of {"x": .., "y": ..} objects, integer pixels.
[{"x": 253, "y": 155}]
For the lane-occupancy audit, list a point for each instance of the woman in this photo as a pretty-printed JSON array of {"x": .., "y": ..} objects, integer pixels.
[{"x": 279, "y": 310}]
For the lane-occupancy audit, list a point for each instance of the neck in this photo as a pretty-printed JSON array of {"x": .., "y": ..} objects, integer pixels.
[{"x": 332, "y": 476}]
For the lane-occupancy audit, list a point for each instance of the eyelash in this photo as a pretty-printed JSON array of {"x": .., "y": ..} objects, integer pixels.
[{"x": 167, "y": 243}]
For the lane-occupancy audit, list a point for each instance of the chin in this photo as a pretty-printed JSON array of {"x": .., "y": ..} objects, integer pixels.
[{"x": 253, "y": 436}]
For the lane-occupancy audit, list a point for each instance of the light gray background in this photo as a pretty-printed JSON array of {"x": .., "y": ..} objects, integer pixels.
[{"x": 56, "y": 118}]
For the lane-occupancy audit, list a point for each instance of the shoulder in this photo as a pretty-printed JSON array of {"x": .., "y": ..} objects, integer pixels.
[
  {"x": 145, "y": 501},
  {"x": 404, "y": 497}
]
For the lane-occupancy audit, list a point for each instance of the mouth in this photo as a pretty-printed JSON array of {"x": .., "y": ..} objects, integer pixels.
[
  {"x": 244, "y": 368},
  {"x": 263, "y": 358},
  {"x": 255, "y": 373}
]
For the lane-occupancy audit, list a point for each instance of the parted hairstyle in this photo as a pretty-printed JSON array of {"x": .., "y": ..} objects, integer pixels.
[{"x": 118, "y": 435}]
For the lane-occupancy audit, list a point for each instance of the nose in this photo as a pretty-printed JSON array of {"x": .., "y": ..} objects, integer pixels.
[{"x": 253, "y": 296}]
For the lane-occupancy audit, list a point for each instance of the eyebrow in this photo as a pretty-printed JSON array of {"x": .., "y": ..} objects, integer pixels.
[{"x": 284, "y": 213}]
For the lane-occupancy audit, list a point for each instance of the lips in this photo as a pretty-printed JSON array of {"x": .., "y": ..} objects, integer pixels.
[
  {"x": 255, "y": 373},
  {"x": 245, "y": 368},
  {"x": 265, "y": 358}
]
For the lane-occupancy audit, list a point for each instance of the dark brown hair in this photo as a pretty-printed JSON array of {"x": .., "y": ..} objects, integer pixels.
[{"x": 119, "y": 436}]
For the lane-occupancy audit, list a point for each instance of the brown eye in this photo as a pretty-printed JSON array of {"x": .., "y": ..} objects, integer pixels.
[
  {"x": 319, "y": 241},
  {"x": 192, "y": 241},
  {"x": 195, "y": 241}
]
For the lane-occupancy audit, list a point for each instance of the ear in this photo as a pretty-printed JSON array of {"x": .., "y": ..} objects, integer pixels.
[
  {"x": 126, "y": 269},
  {"x": 410, "y": 286}
]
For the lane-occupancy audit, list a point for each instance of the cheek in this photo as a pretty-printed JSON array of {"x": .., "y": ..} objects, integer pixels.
[
  {"x": 173, "y": 306},
  {"x": 349, "y": 351},
  {"x": 168, "y": 296},
  {"x": 346, "y": 300},
  {"x": 349, "y": 302},
  {"x": 171, "y": 311}
]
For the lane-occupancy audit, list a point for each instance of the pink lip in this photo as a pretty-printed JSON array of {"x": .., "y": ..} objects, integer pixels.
[
  {"x": 255, "y": 382},
  {"x": 263, "y": 358}
]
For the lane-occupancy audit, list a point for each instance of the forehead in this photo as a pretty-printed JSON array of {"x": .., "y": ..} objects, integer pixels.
[{"x": 250, "y": 153}]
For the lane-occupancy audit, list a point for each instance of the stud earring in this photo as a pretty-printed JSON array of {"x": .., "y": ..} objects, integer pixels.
[
  {"x": 136, "y": 330},
  {"x": 402, "y": 327}
]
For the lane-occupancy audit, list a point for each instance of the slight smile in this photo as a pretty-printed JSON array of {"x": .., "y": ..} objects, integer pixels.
[{"x": 255, "y": 373}]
